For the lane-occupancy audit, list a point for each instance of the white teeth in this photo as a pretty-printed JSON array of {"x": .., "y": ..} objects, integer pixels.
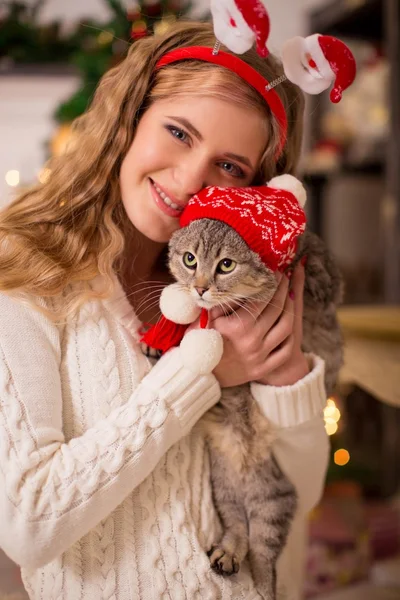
[{"x": 165, "y": 198}]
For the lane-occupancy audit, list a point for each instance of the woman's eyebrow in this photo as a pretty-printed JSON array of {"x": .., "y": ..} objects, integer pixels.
[
  {"x": 188, "y": 126},
  {"x": 239, "y": 158}
]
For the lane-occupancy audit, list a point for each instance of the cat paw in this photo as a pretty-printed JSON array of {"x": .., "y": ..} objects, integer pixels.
[
  {"x": 223, "y": 562},
  {"x": 201, "y": 350}
]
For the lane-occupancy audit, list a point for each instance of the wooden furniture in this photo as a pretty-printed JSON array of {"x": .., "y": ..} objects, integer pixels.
[{"x": 372, "y": 350}]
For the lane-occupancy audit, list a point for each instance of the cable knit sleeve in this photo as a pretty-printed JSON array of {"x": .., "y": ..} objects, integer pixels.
[
  {"x": 52, "y": 492},
  {"x": 301, "y": 446}
]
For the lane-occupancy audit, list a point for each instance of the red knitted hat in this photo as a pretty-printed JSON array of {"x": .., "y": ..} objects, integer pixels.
[{"x": 269, "y": 218}]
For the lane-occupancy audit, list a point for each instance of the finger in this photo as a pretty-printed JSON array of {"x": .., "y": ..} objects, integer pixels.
[
  {"x": 297, "y": 288},
  {"x": 272, "y": 312},
  {"x": 282, "y": 329},
  {"x": 281, "y": 355}
]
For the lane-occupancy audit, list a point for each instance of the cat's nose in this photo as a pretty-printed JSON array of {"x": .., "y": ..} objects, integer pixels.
[{"x": 201, "y": 290}]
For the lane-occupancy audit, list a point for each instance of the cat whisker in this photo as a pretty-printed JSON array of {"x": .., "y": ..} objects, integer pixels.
[
  {"x": 145, "y": 301},
  {"x": 152, "y": 298},
  {"x": 289, "y": 312},
  {"x": 159, "y": 281},
  {"x": 150, "y": 284},
  {"x": 147, "y": 308},
  {"x": 231, "y": 313},
  {"x": 150, "y": 288},
  {"x": 223, "y": 307},
  {"x": 242, "y": 304}
]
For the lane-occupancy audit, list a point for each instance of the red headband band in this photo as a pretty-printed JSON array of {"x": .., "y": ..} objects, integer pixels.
[{"x": 241, "y": 68}]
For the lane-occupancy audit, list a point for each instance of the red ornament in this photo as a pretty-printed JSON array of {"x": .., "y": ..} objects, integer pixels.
[
  {"x": 133, "y": 15},
  {"x": 174, "y": 6},
  {"x": 136, "y": 35},
  {"x": 139, "y": 30},
  {"x": 153, "y": 10}
]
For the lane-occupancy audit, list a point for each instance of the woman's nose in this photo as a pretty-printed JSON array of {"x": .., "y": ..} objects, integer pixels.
[{"x": 190, "y": 177}]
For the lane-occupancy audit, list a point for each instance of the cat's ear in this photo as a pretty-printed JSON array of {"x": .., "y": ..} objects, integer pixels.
[{"x": 291, "y": 184}]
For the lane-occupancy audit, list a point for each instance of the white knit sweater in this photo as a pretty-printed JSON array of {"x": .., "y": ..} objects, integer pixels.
[{"x": 104, "y": 477}]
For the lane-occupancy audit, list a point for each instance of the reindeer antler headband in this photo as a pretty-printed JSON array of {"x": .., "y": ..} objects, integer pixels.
[{"x": 313, "y": 63}]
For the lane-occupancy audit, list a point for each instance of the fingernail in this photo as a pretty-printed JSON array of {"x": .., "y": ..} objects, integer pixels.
[
  {"x": 289, "y": 273},
  {"x": 291, "y": 294},
  {"x": 304, "y": 260}
]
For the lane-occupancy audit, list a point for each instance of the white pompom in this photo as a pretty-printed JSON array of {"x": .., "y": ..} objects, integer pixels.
[
  {"x": 201, "y": 350},
  {"x": 305, "y": 65},
  {"x": 238, "y": 38},
  {"x": 178, "y": 306},
  {"x": 289, "y": 183}
]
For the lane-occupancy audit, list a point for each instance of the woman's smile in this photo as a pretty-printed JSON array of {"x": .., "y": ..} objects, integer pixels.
[{"x": 164, "y": 201}]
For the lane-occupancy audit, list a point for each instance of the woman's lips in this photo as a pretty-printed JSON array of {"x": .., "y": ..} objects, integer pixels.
[{"x": 163, "y": 203}]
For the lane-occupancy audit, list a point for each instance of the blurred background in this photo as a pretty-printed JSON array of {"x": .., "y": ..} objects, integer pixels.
[{"x": 52, "y": 54}]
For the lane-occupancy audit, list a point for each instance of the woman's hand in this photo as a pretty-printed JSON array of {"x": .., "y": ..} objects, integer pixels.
[{"x": 264, "y": 345}]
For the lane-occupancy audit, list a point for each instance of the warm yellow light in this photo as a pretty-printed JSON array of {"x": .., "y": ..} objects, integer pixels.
[
  {"x": 330, "y": 402},
  {"x": 63, "y": 140},
  {"x": 44, "y": 175},
  {"x": 105, "y": 37},
  {"x": 331, "y": 428},
  {"x": 12, "y": 178},
  {"x": 162, "y": 26},
  {"x": 139, "y": 25},
  {"x": 341, "y": 457},
  {"x": 331, "y": 413}
]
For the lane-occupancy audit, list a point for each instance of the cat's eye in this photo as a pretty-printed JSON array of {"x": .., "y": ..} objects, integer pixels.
[
  {"x": 189, "y": 260},
  {"x": 226, "y": 266}
]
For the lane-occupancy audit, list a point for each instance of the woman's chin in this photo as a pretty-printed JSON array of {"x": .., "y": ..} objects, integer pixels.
[{"x": 158, "y": 235}]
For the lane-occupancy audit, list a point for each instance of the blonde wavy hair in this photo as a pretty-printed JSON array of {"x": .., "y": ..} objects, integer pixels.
[{"x": 59, "y": 235}]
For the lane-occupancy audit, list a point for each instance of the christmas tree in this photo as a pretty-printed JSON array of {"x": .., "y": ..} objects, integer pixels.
[
  {"x": 25, "y": 40},
  {"x": 102, "y": 46}
]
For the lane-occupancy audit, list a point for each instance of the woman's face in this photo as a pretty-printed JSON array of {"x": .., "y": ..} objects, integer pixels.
[{"x": 181, "y": 146}]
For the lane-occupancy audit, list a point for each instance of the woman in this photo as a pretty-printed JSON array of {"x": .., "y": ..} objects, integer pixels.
[{"x": 104, "y": 487}]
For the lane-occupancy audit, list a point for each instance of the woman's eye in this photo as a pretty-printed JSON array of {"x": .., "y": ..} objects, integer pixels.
[
  {"x": 226, "y": 266},
  {"x": 178, "y": 133},
  {"x": 189, "y": 260},
  {"x": 232, "y": 169}
]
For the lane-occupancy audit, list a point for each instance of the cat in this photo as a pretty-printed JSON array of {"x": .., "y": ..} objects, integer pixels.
[{"x": 254, "y": 499}]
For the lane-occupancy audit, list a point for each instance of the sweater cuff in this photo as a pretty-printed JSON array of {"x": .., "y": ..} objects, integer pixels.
[
  {"x": 291, "y": 405},
  {"x": 188, "y": 394}
]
